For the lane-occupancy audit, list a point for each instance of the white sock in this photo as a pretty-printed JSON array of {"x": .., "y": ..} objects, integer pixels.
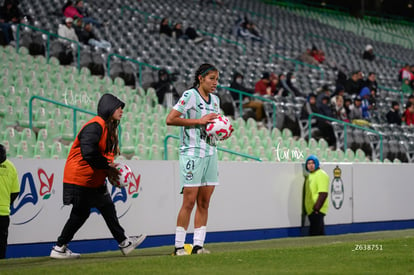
[
  {"x": 199, "y": 236},
  {"x": 180, "y": 234}
]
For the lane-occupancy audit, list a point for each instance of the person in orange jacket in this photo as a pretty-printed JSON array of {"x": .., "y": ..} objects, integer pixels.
[{"x": 89, "y": 162}]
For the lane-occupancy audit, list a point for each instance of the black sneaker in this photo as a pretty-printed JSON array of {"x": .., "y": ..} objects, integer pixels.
[{"x": 199, "y": 250}]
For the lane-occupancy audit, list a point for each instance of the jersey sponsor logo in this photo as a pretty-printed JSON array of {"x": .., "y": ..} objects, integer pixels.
[
  {"x": 182, "y": 102},
  {"x": 31, "y": 199}
]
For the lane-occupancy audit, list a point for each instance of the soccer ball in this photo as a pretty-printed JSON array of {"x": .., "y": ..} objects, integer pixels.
[
  {"x": 220, "y": 129},
  {"x": 124, "y": 178}
]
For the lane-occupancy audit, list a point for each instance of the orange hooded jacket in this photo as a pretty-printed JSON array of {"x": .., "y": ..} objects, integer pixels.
[{"x": 78, "y": 168}]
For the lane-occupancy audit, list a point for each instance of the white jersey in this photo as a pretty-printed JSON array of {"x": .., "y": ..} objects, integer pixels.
[{"x": 194, "y": 141}]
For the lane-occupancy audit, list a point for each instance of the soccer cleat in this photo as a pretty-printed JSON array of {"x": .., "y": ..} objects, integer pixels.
[
  {"x": 199, "y": 250},
  {"x": 62, "y": 252},
  {"x": 131, "y": 243},
  {"x": 180, "y": 251}
]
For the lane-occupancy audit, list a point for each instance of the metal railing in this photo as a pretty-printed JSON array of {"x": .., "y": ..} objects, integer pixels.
[
  {"x": 218, "y": 148},
  {"x": 241, "y": 94},
  {"x": 74, "y": 108},
  {"x": 220, "y": 38},
  {"x": 345, "y": 124},
  {"x": 49, "y": 34},
  {"x": 140, "y": 65},
  {"x": 297, "y": 63}
]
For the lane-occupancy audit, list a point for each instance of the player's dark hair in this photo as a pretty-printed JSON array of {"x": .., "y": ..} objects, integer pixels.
[
  {"x": 203, "y": 70},
  {"x": 112, "y": 141}
]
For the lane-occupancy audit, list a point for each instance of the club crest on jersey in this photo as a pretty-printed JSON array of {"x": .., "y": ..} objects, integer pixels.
[{"x": 189, "y": 176}]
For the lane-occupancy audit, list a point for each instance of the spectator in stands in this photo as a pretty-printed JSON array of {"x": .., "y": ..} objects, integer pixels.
[
  {"x": 354, "y": 84},
  {"x": 371, "y": 82},
  {"x": 248, "y": 102},
  {"x": 406, "y": 86},
  {"x": 325, "y": 108},
  {"x": 356, "y": 109},
  {"x": 408, "y": 116},
  {"x": 276, "y": 84},
  {"x": 406, "y": 72},
  {"x": 368, "y": 53},
  {"x": 164, "y": 88},
  {"x": 323, "y": 125},
  {"x": 347, "y": 106},
  {"x": 74, "y": 11},
  {"x": 410, "y": 99},
  {"x": 309, "y": 56},
  {"x": 288, "y": 86},
  {"x": 246, "y": 29},
  {"x": 321, "y": 93},
  {"x": 365, "y": 104},
  {"x": 263, "y": 86},
  {"x": 339, "y": 90},
  {"x": 393, "y": 115},
  {"x": 338, "y": 109},
  {"x": 66, "y": 30},
  {"x": 88, "y": 37},
  {"x": 9, "y": 14},
  {"x": 165, "y": 27}
]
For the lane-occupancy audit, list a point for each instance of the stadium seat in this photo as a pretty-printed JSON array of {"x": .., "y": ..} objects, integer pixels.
[
  {"x": 41, "y": 151},
  {"x": 57, "y": 151}
]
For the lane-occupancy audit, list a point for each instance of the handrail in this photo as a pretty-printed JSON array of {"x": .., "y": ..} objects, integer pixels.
[
  {"x": 297, "y": 62},
  {"x": 220, "y": 38},
  {"x": 140, "y": 64},
  {"x": 328, "y": 40},
  {"x": 394, "y": 91},
  {"x": 146, "y": 14},
  {"x": 241, "y": 93},
  {"x": 392, "y": 59},
  {"x": 48, "y": 41},
  {"x": 74, "y": 108},
  {"x": 345, "y": 132},
  {"x": 218, "y": 148}
]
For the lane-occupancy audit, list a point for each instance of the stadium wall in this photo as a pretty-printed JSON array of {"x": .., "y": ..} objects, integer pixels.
[{"x": 254, "y": 201}]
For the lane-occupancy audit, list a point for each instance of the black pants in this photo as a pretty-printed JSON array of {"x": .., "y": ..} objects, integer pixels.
[
  {"x": 83, "y": 199},
  {"x": 4, "y": 232},
  {"x": 317, "y": 226}
]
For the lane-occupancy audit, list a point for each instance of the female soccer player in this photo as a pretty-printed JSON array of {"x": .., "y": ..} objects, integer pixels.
[
  {"x": 198, "y": 155},
  {"x": 89, "y": 162}
]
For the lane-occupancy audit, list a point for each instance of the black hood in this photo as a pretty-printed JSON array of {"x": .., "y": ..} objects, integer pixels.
[
  {"x": 107, "y": 105},
  {"x": 2, "y": 153}
]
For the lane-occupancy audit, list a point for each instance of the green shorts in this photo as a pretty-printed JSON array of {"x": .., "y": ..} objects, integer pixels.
[{"x": 196, "y": 171}]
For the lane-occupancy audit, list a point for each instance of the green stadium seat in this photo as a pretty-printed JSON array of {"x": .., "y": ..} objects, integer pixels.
[
  {"x": 66, "y": 130},
  {"x": 28, "y": 135},
  {"x": 128, "y": 145},
  {"x": 24, "y": 150},
  {"x": 41, "y": 151},
  {"x": 57, "y": 151}
]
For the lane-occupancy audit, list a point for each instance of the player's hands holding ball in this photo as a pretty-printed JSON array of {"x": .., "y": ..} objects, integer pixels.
[
  {"x": 113, "y": 172},
  {"x": 209, "y": 118}
]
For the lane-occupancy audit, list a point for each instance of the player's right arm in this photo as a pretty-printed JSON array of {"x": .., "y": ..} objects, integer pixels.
[{"x": 175, "y": 118}]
